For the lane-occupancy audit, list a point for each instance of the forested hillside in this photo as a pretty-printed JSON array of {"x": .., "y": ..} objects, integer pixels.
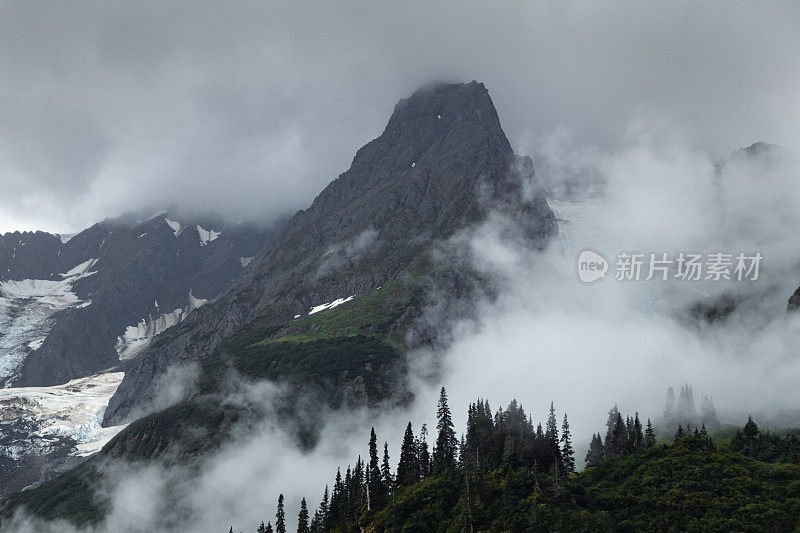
[{"x": 505, "y": 474}]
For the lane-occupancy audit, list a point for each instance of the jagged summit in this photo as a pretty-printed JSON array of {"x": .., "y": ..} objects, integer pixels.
[
  {"x": 452, "y": 123},
  {"x": 438, "y": 118},
  {"x": 448, "y": 115},
  {"x": 441, "y": 164}
]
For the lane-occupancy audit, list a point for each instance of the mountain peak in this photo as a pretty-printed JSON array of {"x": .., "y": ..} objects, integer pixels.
[
  {"x": 437, "y": 108},
  {"x": 440, "y": 165},
  {"x": 436, "y": 120}
]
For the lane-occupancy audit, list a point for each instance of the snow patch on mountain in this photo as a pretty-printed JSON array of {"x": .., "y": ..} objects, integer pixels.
[
  {"x": 245, "y": 261},
  {"x": 330, "y": 305},
  {"x": 207, "y": 235},
  {"x": 177, "y": 228},
  {"x": 80, "y": 271},
  {"x": 36, "y": 344},
  {"x": 137, "y": 338}
]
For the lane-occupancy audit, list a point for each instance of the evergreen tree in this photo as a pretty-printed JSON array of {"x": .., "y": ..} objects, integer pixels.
[
  {"x": 649, "y": 436},
  {"x": 337, "y": 506},
  {"x": 348, "y": 507},
  {"x": 302, "y": 518},
  {"x": 280, "y": 517},
  {"x": 619, "y": 438},
  {"x": 750, "y": 437},
  {"x": 551, "y": 431},
  {"x": 596, "y": 453},
  {"x": 479, "y": 444},
  {"x": 358, "y": 491},
  {"x": 386, "y": 471},
  {"x": 408, "y": 468},
  {"x": 750, "y": 432},
  {"x": 444, "y": 455},
  {"x": 261, "y": 528},
  {"x": 269, "y": 528},
  {"x": 375, "y": 482},
  {"x": 611, "y": 423},
  {"x": 638, "y": 436},
  {"x": 567, "y": 453},
  {"x": 679, "y": 433},
  {"x": 424, "y": 455},
  {"x": 322, "y": 514},
  {"x": 629, "y": 445},
  {"x": 462, "y": 452}
]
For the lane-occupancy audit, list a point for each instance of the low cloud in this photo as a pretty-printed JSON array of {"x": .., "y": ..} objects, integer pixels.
[
  {"x": 248, "y": 111},
  {"x": 340, "y": 256}
]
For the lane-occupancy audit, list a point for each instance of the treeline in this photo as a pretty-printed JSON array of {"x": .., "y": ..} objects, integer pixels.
[
  {"x": 767, "y": 447},
  {"x": 507, "y": 473},
  {"x": 506, "y": 439}
]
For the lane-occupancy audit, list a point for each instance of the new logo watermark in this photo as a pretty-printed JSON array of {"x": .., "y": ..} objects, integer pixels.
[
  {"x": 684, "y": 266},
  {"x": 591, "y": 266}
]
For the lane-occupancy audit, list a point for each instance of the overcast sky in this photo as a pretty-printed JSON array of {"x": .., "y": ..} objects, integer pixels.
[{"x": 250, "y": 109}]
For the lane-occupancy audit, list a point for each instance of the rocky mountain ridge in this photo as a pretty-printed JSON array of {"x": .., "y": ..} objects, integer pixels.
[
  {"x": 66, "y": 305},
  {"x": 442, "y": 163}
]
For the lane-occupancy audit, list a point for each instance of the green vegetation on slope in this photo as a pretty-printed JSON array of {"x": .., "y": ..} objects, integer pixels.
[
  {"x": 373, "y": 314},
  {"x": 71, "y": 494},
  {"x": 680, "y": 487}
]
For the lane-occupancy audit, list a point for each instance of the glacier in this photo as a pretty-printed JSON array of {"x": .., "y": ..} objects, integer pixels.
[
  {"x": 25, "y": 309},
  {"x": 69, "y": 414}
]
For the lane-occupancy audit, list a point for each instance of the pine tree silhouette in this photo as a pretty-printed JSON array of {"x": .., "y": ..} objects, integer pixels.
[
  {"x": 302, "y": 518},
  {"x": 567, "y": 453},
  {"x": 280, "y": 517},
  {"x": 444, "y": 455}
]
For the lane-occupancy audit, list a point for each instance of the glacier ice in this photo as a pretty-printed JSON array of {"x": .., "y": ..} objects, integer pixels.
[
  {"x": 25, "y": 309},
  {"x": 73, "y": 410}
]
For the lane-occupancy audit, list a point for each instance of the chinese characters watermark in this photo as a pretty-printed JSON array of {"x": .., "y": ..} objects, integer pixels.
[{"x": 685, "y": 266}]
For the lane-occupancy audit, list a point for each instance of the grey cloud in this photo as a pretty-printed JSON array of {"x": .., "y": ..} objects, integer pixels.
[{"x": 248, "y": 110}]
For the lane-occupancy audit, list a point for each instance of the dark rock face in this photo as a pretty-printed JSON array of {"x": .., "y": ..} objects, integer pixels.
[
  {"x": 28, "y": 255},
  {"x": 794, "y": 301},
  {"x": 441, "y": 163},
  {"x": 143, "y": 269}
]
